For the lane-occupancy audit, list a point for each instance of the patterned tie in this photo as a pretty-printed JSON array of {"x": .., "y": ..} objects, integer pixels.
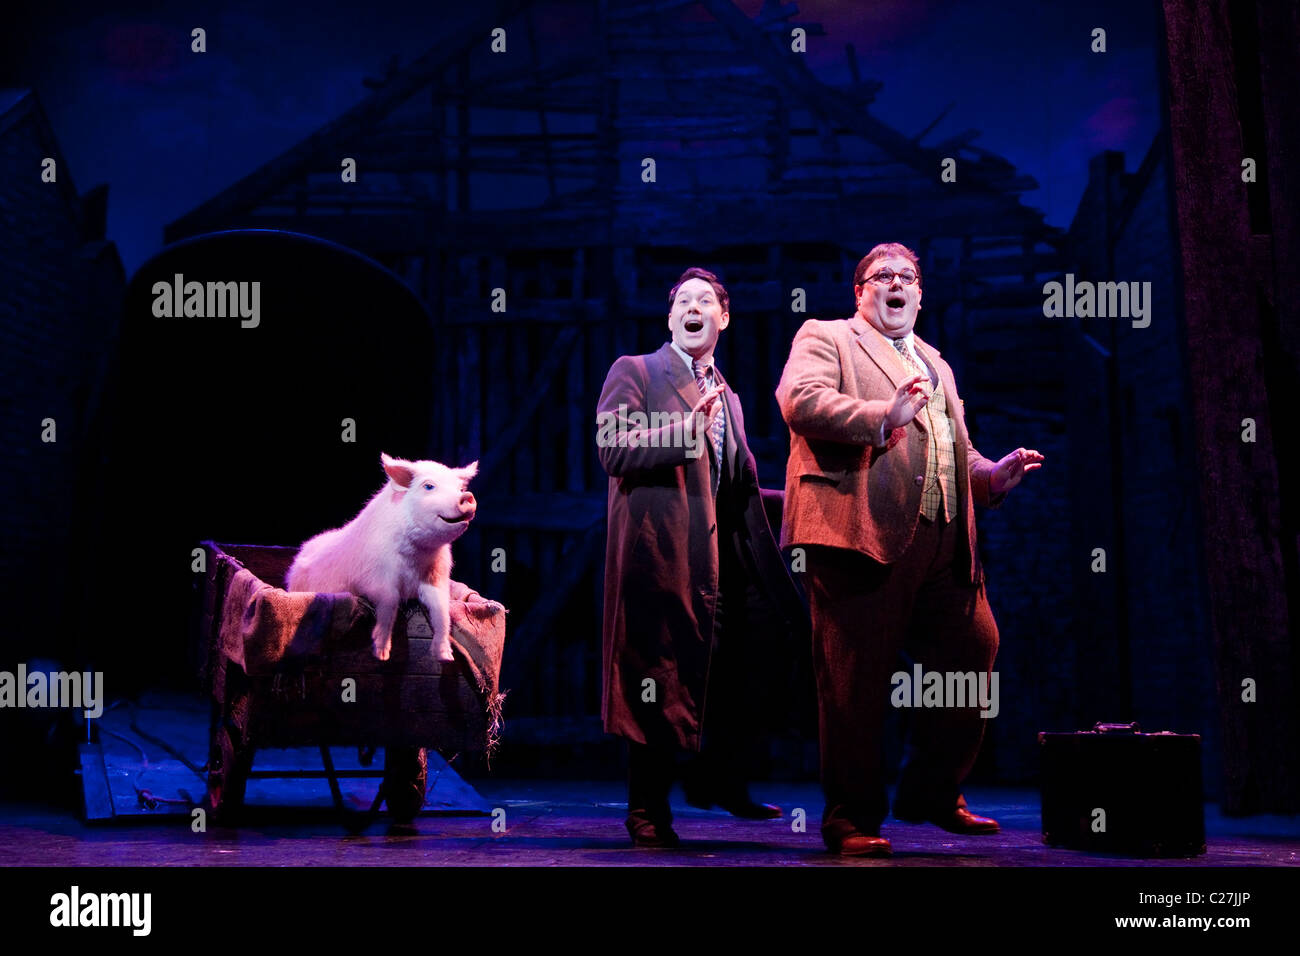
[
  {"x": 909, "y": 360},
  {"x": 939, "y": 491},
  {"x": 704, "y": 379}
]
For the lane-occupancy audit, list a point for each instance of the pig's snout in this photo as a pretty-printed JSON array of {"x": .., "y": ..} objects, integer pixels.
[{"x": 465, "y": 508}]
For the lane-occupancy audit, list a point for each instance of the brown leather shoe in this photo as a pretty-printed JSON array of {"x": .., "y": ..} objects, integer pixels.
[
  {"x": 860, "y": 844},
  {"x": 963, "y": 821},
  {"x": 959, "y": 820},
  {"x": 648, "y": 835}
]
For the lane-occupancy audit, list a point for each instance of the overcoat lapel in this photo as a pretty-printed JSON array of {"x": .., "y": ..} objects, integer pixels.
[
  {"x": 679, "y": 376},
  {"x": 734, "y": 437},
  {"x": 688, "y": 390}
]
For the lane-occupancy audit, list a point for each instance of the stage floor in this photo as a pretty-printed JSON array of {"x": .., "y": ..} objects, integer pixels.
[{"x": 581, "y": 824}]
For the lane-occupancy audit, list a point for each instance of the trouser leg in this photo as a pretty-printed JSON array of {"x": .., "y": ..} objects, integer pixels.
[
  {"x": 649, "y": 780},
  {"x": 954, "y": 635},
  {"x": 860, "y": 614},
  {"x": 723, "y": 764}
]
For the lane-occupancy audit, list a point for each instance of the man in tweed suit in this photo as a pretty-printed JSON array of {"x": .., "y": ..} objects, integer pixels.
[{"x": 880, "y": 489}]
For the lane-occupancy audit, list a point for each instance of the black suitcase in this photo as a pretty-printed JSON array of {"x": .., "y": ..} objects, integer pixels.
[{"x": 1114, "y": 789}]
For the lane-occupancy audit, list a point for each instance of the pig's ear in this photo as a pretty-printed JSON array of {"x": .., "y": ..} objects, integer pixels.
[
  {"x": 397, "y": 469},
  {"x": 469, "y": 471}
]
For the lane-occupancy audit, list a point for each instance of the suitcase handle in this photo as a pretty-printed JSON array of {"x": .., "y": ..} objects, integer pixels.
[{"x": 1102, "y": 728}]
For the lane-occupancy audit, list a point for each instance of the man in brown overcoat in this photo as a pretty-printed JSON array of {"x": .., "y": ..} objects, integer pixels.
[
  {"x": 880, "y": 493},
  {"x": 691, "y": 568}
]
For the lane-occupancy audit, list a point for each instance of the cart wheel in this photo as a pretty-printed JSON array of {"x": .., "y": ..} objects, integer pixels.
[
  {"x": 228, "y": 768},
  {"x": 406, "y": 778}
]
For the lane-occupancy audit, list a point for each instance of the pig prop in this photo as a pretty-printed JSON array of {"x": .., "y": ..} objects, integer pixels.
[{"x": 397, "y": 548}]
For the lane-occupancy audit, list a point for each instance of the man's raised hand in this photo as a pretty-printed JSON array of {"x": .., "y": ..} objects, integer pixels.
[
  {"x": 1008, "y": 472},
  {"x": 706, "y": 409},
  {"x": 909, "y": 399}
]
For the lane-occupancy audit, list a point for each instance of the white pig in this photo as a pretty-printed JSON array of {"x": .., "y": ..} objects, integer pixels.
[{"x": 397, "y": 548}]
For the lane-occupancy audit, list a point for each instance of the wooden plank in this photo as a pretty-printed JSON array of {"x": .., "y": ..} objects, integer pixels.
[
  {"x": 601, "y": 357},
  {"x": 524, "y": 314},
  {"x": 625, "y": 14},
  {"x": 540, "y": 386},
  {"x": 429, "y": 730},
  {"x": 626, "y": 289},
  {"x": 579, "y": 100},
  {"x": 469, "y": 395},
  {"x": 526, "y": 642},
  {"x": 574, "y": 161},
  {"x": 798, "y": 79},
  {"x": 462, "y": 133},
  {"x": 444, "y": 447},
  {"x": 523, "y": 469},
  {"x": 540, "y": 84},
  {"x": 544, "y": 730},
  {"x": 437, "y": 105},
  {"x": 577, "y": 441},
  {"x": 217, "y": 211},
  {"x": 548, "y": 511},
  {"x": 494, "y": 87},
  {"x": 560, "y": 142},
  {"x": 448, "y": 792},
  {"x": 98, "y": 800},
  {"x": 545, "y": 662},
  {"x": 408, "y": 697},
  {"x": 500, "y": 392}
]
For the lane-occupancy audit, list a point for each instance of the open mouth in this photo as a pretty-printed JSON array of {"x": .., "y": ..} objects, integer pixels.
[
  {"x": 895, "y": 302},
  {"x": 461, "y": 520},
  {"x": 693, "y": 325}
]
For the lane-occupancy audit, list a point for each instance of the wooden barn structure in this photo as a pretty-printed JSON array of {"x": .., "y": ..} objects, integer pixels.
[{"x": 520, "y": 161}]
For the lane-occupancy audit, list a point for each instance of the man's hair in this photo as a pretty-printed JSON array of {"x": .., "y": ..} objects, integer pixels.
[
  {"x": 886, "y": 250},
  {"x": 695, "y": 272}
]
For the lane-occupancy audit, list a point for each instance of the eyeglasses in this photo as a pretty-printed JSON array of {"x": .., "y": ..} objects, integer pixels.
[{"x": 886, "y": 276}]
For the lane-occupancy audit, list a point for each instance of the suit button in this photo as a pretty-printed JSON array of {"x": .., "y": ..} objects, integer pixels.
[{"x": 920, "y": 479}]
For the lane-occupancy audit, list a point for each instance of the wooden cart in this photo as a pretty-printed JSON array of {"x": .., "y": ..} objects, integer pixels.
[{"x": 296, "y": 670}]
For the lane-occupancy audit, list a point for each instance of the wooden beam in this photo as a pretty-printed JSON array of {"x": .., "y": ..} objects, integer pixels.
[
  {"x": 365, "y": 115},
  {"x": 537, "y": 627},
  {"x": 826, "y": 101},
  {"x": 933, "y": 123},
  {"x": 653, "y": 8},
  {"x": 462, "y": 147},
  {"x": 539, "y": 387},
  {"x": 94, "y": 783}
]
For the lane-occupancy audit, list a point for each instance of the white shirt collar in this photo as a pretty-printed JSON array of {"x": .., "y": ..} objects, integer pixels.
[
  {"x": 911, "y": 348},
  {"x": 906, "y": 338},
  {"x": 690, "y": 362}
]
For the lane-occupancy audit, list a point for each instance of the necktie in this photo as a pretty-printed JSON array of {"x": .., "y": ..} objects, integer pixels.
[
  {"x": 704, "y": 379},
  {"x": 909, "y": 360},
  {"x": 939, "y": 490}
]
